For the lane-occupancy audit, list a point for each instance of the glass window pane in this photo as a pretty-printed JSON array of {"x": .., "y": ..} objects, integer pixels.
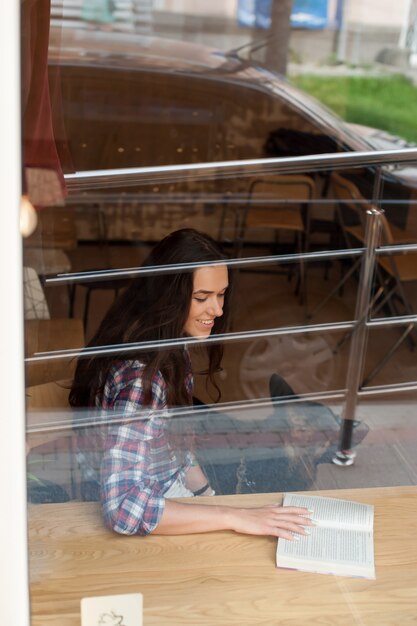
[{"x": 213, "y": 307}]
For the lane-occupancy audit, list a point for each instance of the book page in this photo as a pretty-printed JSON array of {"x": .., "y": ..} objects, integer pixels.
[
  {"x": 332, "y": 546},
  {"x": 333, "y": 512}
]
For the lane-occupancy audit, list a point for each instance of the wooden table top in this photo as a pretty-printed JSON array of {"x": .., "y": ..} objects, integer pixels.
[{"x": 221, "y": 577}]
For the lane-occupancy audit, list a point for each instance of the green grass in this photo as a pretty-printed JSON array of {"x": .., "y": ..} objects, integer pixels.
[{"x": 389, "y": 103}]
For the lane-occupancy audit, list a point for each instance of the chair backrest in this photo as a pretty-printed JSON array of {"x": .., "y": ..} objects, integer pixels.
[
  {"x": 34, "y": 299},
  {"x": 284, "y": 189},
  {"x": 56, "y": 229},
  {"x": 349, "y": 196},
  {"x": 347, "y": 193}
]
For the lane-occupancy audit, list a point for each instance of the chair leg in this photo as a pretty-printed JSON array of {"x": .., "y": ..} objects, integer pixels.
[
  {"x": 71, "y": 299},
  {"x": 387, "y": 356},
  {"x": 333, "y": 291},
  {"x": 86, "y": 308},
  {"x": 397, "y": 286},
  {"x": 347, "y": 335},
  {"x": 291, "y": 270},
  {"x": 239, "y": 234},
  {"x": 300, "y": 286},
  {"x": 222, "y": 221}
]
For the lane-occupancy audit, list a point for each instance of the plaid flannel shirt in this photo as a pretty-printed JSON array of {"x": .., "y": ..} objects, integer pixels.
[{"x": 138, "y": 465}]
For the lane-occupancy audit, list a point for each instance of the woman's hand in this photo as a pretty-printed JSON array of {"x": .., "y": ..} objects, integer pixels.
[
  {"x": 180, "y": 518},
  {"x": 274, "y": 520}
]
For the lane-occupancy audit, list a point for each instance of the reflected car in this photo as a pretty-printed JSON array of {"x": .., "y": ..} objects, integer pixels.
[{"x": 130, "y": 101}]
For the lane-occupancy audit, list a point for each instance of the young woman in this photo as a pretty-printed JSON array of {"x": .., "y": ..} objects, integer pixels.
[{"x": 141, "y": 467}]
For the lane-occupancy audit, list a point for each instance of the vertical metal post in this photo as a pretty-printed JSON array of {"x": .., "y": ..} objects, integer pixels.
[{"x": 357, "y": 353}]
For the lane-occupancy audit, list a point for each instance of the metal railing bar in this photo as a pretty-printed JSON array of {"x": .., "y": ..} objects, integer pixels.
[
  {"x": 76, "y": 418},
  {"x": 192, "y": 198},
  {"x": 188, "y": 341},
  {"x": 388, "y": 388},
  {"x": 226, "y": 337},
  {"x": 383, "y": 322},
  {"x": 358, "y": 343},
  {"x": 397, "y": 248},
  {"x": 201, "y": 171},
  {"x": 168, "y": 269}
]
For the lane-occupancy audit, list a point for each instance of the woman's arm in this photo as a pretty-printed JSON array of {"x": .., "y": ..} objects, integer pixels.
[
  {"x": 131, "y": 495},
  {"x": 196, "y": 480},
  {"x": 275, "y": 520}
]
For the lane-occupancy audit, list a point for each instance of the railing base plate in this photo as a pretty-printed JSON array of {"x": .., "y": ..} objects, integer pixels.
[{"x": 344, "y": 458}]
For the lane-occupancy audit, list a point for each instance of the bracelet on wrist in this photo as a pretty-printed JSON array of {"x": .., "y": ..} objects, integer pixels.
[{"x": 202, "y": 489}]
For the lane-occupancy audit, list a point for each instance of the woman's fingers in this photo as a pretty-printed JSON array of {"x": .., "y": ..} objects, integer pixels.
[
  {"x": 278, "y": 521},
  {"x": 296, "y": 510},
  {"x": 291, "y": 526},
  {"x": 296, "y": 519},
  {"x": 285, "y": 534},
  {"x": 291, "y": 514}
]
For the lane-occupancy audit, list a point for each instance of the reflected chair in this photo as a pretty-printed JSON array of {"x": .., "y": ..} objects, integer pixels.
[
  {"x": 279, "y": 203},
  {"x": 392, "y": 271},
  {"x": 43, "y": 334},
  {"x": 105, "y": 262},
  {"x": 46, "y": 250},
  {"x": 35, "y": 304}
]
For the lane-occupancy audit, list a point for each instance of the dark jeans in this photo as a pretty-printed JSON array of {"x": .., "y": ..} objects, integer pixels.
[{"x": 307, "y": 434}]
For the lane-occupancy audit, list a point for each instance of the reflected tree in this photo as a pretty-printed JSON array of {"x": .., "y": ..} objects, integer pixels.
[{"x": 274, "y": 53}]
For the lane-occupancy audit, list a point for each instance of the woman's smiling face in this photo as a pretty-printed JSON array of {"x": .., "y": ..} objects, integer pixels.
[{"x": 207, "y": 300}]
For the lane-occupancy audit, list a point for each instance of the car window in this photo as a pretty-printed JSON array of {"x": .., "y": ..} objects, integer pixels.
[{"x": 116, "y": 117}]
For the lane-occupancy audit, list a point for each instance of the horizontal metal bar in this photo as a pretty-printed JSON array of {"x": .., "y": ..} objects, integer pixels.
[
  {"x": 383, "y": 322},
  {"x": 137, "y": 200},
  {"x": 83, "y": 418},
  {"x": 402, "y": 248},
  {"x": 190, "y": 267},
  {"x": 187, "y": 341},
  {"x": 387, "y": 389},
  {"x": 237, "y": 168},
  {"x": 226, "y": 338}
]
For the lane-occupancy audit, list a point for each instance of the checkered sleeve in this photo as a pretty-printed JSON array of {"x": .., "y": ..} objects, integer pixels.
[{"x": 138, "y": 463}]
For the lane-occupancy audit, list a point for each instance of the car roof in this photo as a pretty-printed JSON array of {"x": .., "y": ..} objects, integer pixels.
[{"x": 135, "y": 52}]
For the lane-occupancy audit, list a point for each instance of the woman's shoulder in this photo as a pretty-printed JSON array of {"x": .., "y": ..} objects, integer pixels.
[
  {"x": 125, "y": 370},
  {"x": 126, "y": 378}
]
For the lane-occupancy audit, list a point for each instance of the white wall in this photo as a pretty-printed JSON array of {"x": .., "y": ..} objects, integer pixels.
[
  {"x": 388, "y": 13},
  {"x": 369, "y": 12},
  {"x": 223, "y": 8}
]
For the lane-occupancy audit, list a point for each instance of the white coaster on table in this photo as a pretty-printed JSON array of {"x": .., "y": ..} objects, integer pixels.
[{"x": 121, "y": 610}]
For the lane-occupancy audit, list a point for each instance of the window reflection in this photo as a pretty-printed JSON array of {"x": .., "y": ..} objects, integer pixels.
[{"x": 288, "y": 240}]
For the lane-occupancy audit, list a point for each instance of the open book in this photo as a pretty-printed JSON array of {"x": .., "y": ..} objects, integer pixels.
[{"x": 342, "y": 542}]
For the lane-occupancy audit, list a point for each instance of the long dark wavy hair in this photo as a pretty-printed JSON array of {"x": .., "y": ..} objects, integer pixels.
[{"x": 155, "y": 307}]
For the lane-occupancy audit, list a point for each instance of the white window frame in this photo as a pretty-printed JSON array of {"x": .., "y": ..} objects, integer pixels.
[{"x": 13, "y": 519}]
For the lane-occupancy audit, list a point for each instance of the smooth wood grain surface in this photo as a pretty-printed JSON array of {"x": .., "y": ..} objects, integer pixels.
[
  {"x": 53, "y": 395},
  {"x": 221, "y": 577},
  {"x": 50, "y": 335}
]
